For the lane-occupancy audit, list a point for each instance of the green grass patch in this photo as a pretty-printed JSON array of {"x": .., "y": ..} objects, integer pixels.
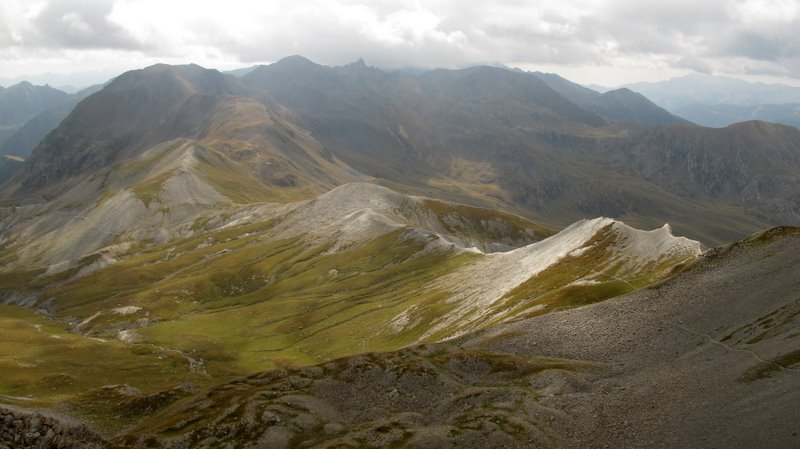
[
  {"x": 233, "y": 298},
  {"x": 298, "y": 305},
  {"x": 238, "y": 184},
  {"x": 578, "y": 280},
  {"x": 150, "y": 190},
  {"x": 42, "y": 362}
]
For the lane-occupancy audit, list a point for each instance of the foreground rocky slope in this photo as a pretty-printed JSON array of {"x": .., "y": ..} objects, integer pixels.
[
  {"x": 32, "y": 430},
  {"x": 708, "y": 358}
]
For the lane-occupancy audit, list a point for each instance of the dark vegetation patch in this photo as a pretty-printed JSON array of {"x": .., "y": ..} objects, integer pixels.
[
  {"x": 768, "y": 369},
  {"x": 425, "y": 396}
]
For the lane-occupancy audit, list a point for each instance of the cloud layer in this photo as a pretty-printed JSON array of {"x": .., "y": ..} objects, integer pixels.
[{"x": 709, "y": 36}]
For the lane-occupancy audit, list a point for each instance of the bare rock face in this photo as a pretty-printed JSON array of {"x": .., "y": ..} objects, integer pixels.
[{"x": 32, "y": 430}]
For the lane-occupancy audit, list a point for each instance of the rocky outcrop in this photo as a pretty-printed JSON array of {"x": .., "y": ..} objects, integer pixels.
[{"x": 20, "y": 429}]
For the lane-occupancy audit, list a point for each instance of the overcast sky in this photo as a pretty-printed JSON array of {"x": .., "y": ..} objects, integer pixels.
[{"x": 604, "y": 42}]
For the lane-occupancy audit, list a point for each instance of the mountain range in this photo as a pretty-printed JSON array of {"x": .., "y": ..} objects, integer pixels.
[
  {"x": 719, "y": 101},
  {"x": 28, "y": 113},
  {"x": 484, "y": 136},
  {"x": 195, "y": 259}
]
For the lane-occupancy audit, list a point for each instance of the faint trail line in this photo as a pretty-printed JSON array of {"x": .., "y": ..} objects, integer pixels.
[
  {"x": 730, "y": 348},
  {"x": 619, "y": 279},
  {"x": 600, "y": 273}
]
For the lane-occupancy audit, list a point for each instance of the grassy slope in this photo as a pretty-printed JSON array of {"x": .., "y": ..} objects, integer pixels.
[
  {"x": 228, "y": 177},
  {"x": 244, "y": 303},
  {"x": 251, "y": 304},
  {"x": 492, "y": 225},
  {"x": 237, "y": 306},
  {"x": 43, "y": 363},
  {"x": 235, "y": 301},
  {"x": 556, "y": 289}
]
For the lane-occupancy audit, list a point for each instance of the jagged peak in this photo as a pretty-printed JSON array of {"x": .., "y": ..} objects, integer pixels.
[
  {"x": 615, "y": 250},
  {"x": 654, "y": 244},
  {"x": 358, "y": 67}
]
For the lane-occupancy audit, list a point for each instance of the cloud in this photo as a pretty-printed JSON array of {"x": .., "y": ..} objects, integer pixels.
[
  {"x": 695, "y": 64},
  {"x": 65, "y": 24},
  {"x": 625, "y": 35}
]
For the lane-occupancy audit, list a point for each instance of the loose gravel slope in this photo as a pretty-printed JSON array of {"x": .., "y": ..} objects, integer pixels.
[{"x": 708, "y": 359}]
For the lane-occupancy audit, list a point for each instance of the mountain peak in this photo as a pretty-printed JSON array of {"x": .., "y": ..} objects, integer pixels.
[
  {"x": 189, "y": 78},
  {"x": 295, "y": 61}
]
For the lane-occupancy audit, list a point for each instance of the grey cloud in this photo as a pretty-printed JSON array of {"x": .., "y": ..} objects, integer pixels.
[
  {"x": 770, "y": 70},
  {"x": 318, "y": 37},
  {"x": 699, "y": 35},
  {"x": 80, "y": 25},
  {"x": 6, "y": 34},
  {"x": 696, "y": 64},
  {"x": 763, "y": 46}
]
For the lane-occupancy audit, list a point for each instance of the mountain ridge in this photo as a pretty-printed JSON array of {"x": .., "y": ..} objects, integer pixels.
[
  {"x": 719, "y": 101},
  {"x": 473, "y": 136},
  {"x": 620, "y": 104}
]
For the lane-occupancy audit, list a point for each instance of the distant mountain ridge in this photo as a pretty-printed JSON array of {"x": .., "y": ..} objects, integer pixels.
[
  {"x": 712, "y": 89},
  {"x": 22, "y": 102},
  {"x": 618, "y": 104},
  {"x": 742, "y": 164},
  {"x": 28, "y": 113},
  {"x": 719, "y": 101},
  {"x": 721, "y": 115}
]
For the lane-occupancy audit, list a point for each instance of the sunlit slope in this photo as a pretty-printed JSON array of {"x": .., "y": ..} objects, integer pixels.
[
  {"x": 43, "y": 363},
  {"x": 360, "y": 268}
]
